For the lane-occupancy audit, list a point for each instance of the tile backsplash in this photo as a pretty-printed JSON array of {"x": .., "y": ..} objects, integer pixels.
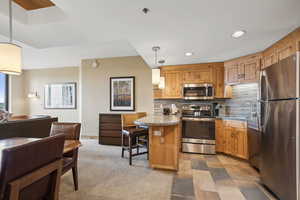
[{"x": 243, "y": 104}]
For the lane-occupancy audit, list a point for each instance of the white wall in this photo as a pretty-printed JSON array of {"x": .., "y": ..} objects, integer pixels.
[
  {"x": 17, "y": 100},
  {"x": 92, "y": 89},
  {"x": 35, "y": 81},
  {"x": 95, "y": 87}
]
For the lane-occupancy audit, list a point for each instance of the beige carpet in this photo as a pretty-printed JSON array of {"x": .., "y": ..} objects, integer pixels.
[{"x": 103, "y": 174}]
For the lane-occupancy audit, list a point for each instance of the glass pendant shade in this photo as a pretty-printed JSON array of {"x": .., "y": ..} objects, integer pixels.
[
  {"x": 155, "y": 76},
  {"x": 10, "y": 58},
  {"x": 162, "y": 83}
]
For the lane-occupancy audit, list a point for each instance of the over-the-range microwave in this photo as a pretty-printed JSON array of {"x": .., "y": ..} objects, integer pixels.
[{"x": 198, "y": 91}]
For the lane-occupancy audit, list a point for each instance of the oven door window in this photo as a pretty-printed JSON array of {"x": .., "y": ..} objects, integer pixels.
[
  {"x": 195, "y": 92},
  {"x": 199, "y": 130}
]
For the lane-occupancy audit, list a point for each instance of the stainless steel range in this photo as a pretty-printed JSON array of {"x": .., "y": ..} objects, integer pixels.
[{"x": 198, "y": 129}]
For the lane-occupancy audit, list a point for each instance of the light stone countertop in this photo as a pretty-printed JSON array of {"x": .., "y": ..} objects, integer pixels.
[
  {"x": 158, "y": 120},
  {"x": 239, "y": 118}
]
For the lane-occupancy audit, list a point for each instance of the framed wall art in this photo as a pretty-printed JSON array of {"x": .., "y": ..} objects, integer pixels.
[
  {"x": 122, "y": 93},
  {"x": 60, "y": 96}
]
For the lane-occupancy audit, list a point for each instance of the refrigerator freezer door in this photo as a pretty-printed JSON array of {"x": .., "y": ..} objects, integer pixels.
[
  {"x": 278, "y": 149},
  {"x": 279, "y": 80}
]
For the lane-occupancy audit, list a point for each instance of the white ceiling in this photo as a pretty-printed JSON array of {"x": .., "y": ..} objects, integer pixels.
[{"x": 78, "y": 29}]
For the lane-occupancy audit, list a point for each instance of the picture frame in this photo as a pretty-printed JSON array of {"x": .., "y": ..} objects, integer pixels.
[
  {"x": 60, "y": 96},
  {"x": 122, "y": 93}
]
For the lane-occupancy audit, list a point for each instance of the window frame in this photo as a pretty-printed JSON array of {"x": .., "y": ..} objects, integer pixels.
[{"x": 6, "y": 91}]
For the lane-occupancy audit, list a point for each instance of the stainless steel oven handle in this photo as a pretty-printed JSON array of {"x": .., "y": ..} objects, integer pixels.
[{"x": 198, "y": 119}]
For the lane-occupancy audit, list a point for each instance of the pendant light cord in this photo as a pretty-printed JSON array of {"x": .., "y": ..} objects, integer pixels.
[
  {"x": 10, "y": 22},
  {"x": 156, "y": 57}
]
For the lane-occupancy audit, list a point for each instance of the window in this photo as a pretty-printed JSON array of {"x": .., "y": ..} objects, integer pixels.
[{"x": 3, "y": 92}]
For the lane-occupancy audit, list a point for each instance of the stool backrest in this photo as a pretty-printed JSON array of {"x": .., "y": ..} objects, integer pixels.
[{"x": 128, "y": 119}]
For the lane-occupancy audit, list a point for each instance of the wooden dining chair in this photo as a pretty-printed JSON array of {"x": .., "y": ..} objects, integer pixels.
[
  {"x": 137, "y": 136},
  {"x": 32, "y": 170},
  {"x": 71, "y": 131}
]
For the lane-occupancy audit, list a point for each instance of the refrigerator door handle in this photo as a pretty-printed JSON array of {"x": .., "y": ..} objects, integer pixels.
[
  {"x": 261, "y": 85},
  {"x": 266, "y": 117}
]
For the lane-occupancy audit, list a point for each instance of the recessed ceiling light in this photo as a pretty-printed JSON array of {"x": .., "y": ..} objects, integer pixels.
[
  {"x": 146, "y": 10},
  {"x": 238, "y": 34},
  {"x": 189, "y": 54}
]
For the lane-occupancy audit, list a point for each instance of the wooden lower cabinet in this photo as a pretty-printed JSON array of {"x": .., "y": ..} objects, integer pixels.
[
  {"x": 231, "y": 138},
  {"x": 220, "y": 137},
  {"x": 164, "y": 148}
]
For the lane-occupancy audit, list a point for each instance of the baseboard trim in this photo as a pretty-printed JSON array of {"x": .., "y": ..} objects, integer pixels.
[{"x": 89, "y": 137}]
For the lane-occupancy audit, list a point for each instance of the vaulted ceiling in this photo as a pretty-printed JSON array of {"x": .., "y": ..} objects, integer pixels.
[{"x": 63, "y": 34}]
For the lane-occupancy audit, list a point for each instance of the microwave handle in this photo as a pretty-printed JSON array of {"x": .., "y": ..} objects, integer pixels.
[{"x": 213, "y": 91}]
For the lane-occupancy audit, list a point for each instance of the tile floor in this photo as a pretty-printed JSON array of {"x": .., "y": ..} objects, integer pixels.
[{"x": 104, "y": 175}]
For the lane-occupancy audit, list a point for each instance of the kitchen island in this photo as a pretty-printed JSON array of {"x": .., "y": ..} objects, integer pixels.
[{"x": 164, "y": 140}]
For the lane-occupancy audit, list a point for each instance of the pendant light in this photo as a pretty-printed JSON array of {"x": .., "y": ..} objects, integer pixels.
[
  {"x": 155, "y": 71},
  {"x": 10, "y": 54}
]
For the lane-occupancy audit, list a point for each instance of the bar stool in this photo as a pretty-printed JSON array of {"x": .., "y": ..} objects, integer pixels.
[{"x": 137, "y": 136}]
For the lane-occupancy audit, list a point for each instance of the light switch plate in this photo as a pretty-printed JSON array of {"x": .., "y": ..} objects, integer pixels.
[{"x": 157, "y": 133}]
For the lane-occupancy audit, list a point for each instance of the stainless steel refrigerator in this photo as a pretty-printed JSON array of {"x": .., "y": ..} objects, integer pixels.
[{"x": 279, "y": 100}]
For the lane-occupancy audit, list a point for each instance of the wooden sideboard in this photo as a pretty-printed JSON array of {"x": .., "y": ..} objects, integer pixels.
[
  {"x": 231, "y": 138},
  {"x": 110, "y": 127}
]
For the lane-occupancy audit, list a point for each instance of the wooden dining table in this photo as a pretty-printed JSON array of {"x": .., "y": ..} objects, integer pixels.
[{"x": 11, "y": 142}]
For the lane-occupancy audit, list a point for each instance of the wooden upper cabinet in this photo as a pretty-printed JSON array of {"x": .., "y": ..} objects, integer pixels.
[
  {"x": 176, "y": 76},
  {"x": 286, "y": 47},
  {"x": 282, "y": 49},
  {"x": 269, "y": 57},
  {"x": 203, "y": 75},
  {"x": 219, "y": 82},
  {"x": 249, "y": 69},
  {"x": 173, "y": 84},
  {"x": 231, "y": 73},
  {"x": 243, "y": 70},
  {"x": 157, "y": 93},
  {"x": 297, "y": 38}
]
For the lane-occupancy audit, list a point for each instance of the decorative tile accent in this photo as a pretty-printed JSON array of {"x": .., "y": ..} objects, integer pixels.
[
  {"x": 219, "y": 174},
  {"x": 180, "y": 197},
  {"x": 206, "y": 195},
  {"x": 203, "y": 181},
  {"x": 218, "y": 177},
  {"x": 253, "y": 193},
  {"x": 183, "y": 186},
  {"x": 199, "y": 165},
  {"x": 103, "y": 174}
]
